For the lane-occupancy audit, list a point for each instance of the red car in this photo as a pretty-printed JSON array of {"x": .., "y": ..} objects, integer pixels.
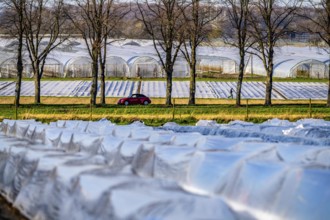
[{"x": 134, "y": 99}]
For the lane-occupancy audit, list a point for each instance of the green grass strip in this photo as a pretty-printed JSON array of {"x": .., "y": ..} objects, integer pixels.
[{"x": 159, "y": 114}]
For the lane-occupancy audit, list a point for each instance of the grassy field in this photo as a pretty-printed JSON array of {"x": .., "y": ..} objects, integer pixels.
[{"x": 156, "y": 114}]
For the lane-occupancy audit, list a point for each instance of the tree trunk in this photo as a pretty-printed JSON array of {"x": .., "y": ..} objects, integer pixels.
[
  {"x": 103, "y": 84},
  {"x": 36, "y": 75},
  {"x": 328, "y": 101},
  {"x": 102, "y": 67},
  {"x": 103, "y": 59},
  {"x": 192, "y": 90},
  {"x": 95, "y": 71},
  {"x": 94, "y": 80},
  {"x": 269, "y": 84},
  {"x": 169, "y": 73},
  {"x": 240, "y": 78},
  {"x": 168, "y": 88},
  {"x": 19, "y": 67},
  {"x": 37, "y": 87},
  {"x": 19, "y": 64}
]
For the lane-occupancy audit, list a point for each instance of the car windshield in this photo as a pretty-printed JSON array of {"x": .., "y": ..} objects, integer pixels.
[{"x": 137, "y": 96}]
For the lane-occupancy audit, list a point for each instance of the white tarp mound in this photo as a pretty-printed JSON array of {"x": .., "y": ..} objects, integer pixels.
[{"x": 99, "y": 170}]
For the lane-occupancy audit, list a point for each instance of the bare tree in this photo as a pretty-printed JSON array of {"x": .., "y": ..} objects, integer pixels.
[
  {"x": 163, "y": 22},
  {"x": 14, "y": 24},
  {"x": 270, "y": 20},
  {"x": 43, "y": 20},
  {"x": 236, "y": 35},
  {"x": 112, "y": 15},
  {"x": 93, "y": 20},
  {"x": 318, "y": 15},
  {"x": 198, "y": 17},
  {"x": 87, "y": 18}
]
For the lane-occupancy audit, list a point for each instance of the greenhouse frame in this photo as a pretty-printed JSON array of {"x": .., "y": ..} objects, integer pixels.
[
  {"x": 310, "y": 69},
  {"x": 8, "y": 68},
  {"x": 116, "y": 67},
  {"x": 53, "y": 68},
  {"x": 78, "y": 67},
  {"x": 144, "y": 67},
  {"x": 216, "y": 64}
]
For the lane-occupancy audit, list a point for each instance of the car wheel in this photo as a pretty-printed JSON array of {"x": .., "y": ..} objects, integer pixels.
[
  {"x": 126, "y": 103},
  {"x": 145, "y": 102}
]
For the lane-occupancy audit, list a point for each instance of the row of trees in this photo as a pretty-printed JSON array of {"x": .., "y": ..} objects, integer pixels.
[
  {"x": 25, "y": 20},
  {"x": 42, "y": 25},
  {"x": 252, "y": 26},
  {"x": 175, "y": 27}
]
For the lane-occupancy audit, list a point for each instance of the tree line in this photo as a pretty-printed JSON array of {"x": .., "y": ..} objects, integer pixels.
[{"x": 176, "y": 28}]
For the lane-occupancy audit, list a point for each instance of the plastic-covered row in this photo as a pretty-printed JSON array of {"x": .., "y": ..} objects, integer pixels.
[{"x": 88, "y": 170}]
